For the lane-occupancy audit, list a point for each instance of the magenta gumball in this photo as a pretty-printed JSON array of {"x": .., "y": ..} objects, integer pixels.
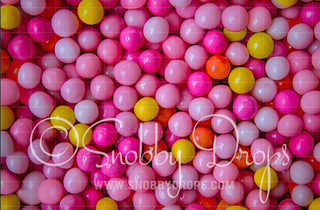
[
  {"x": 39, "y": 29},
  {"x": 290, "y": 125},
  {"x": 72, "y": 202},
  {"x": 6, "y": 37},
  {"x": 131, "y": 38},
  {"x": 257, "y": 67},
  {"x": 104, "y": 134},
  {"x": 10, "y": 92},
  {"x": 180, "y": 124},
  {"x": 222, "y": 120},
  {"x": 235, "y": 18},
  {"x": 91, "y": 196},
  {"x": 78, "y": 89},
  {"x": 310, "y": 13},
  {"x": 97, "y": 178},
  {"x": 112, "y": 165},
  {"x": 215, "y": 42},
  {"x": 129, "y": 148},
  {"x": 127, "y": 72},
  {"x": 64, "y": 23},
  {"x": 156, "y": 29},
  {"x": 170, "y": 138},
  {"x": 302, "y": 144},
  {"x": 244, "y": 107},
  {"x": 21, "y": 48},
  {"x": 88, "y": 159},
  {"x": 287, "y": 101},
  {"x": 190, "y": 32},
  {"x": 150, "y": 60},
  {"x": 199, "y": 83},
  {"x": 168, "y": 96},
  {"x": 280, "y": 49},
  {"x": 158, "y": 7},
  {"x": 288, "y": 204}
]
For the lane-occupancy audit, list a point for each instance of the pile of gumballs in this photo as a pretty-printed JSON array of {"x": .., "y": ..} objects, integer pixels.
[{"x": 160, "y": 104}]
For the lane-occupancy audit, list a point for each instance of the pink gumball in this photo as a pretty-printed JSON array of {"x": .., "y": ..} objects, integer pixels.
[
  {"x": 185, "y": 177},
  {"x": 196, "y": 57},
  {"x": 10, "y": 92},
  {"x": 88, "y": 159},
  {"x": 33, "y": 7},
  {"x": 126, "y": 4},
  {"x": 195, "y": 206},
  {"x": 38, "y": 152},
  {"x": 144, "y": 200},
  {"x": 88, "y": 39},
  {"x": 233, "y": 195},
  {"x": 221, "y": 96},
  {"x": 168, "y": 96},
  {"x": 311, "y": 122},
  {"x": 266, "y": 119},
  {"x": 170, "y": 138},
  {"x": 301, "y": 172},
  {"x": 163, "y": 164},
  {"x": 221, "y": 121},
  {"x": 259, "y": 19},
  {"x": 277, "y": 68},
  {"x": 67, "y": 50},
  {"x": 264, "y": 90},
  {"x": 166, "y": 194},
  {"x": 131, "y": 38},
  {"x": 186, "y": 197},
  {"x": 199, "y": 83},
  {"x": 235, "y": 18},
  {"x": 88, "y": 65},
  {"x": 109, "y": 51},
  {"x": 75, "y": 181},
  {"x": 225, "y": 146},
  {"x": 7, "y": 145},
  {"x": 279, "y": 28},
  {"x": 64, "y": 23},
  {"x": 147, "y": 132},
  {"x": 147, "y": 85},
  {"x": 63, "y": 155},
  {"x": 129, "y": 148},
  {"x": 215, "y": 42},
  {"x": 177, "y": 71},
  {"x": 72, "y": 202},
  {"x": 261, "y": 150},
  {"x": 17, "y": 162},
  {"x": 6, "y": 37},
  {"x": 140, "y": 175},
  {"x": 53, "y": 78},
  {"x": 73, "y": 90},
  {"x": 317, "y": 31},
  {"x": 91, "y": 196},
  {"x": 111, "y": 26},
  {"x": 173, "y": 19},
  {"x": 189, "y": 10},
  {"x": 316, "y": 184},
  {"x": 97, "y": 178},
  {"x": 49, "y": 60},
  {"x": 237, "y": 53},
  {"x": 102, "y": 87},
  {"x": 50, "y": 191},
  {"x": 302, "y": 144},
  {"x": 279, "y": 191},
  {"x": 246, "y": 179},
  {"x": 310, "y": 102},
  {"x": 107, "y": 109},
  {"x": 124, "y": 98},
  {"x": 52, "y": 171},
  {"x": 225, "y": 171},
  {"x": 201, "y": 109},
  {"x": 290, "y": 125},
  {"x": 29, "y": 75},
  {"x": 21, "y": 131},
  {"x": 180, "y": 124},
  {"x": 112, "y": 165},
  {"x": 158, "y": 7},
  {"x": 305, "y": 81},
  {"x": 190, "y": 32},
  {"x": 136, "y": 17},
  {"x": 281, "y": 159},
  {"x": 10, "y": 182},
  {"x": 41, "y": 104},
  {"x": 203, "y": 160},
  {"x": 288, "y": 204},
  {"x": 314, "y": 46},
  {"x": 300, "y": 36},
  {"x": 280, "y": 49},
  {"x": 244, "y": 107},
  {"x": 248, "y": 132},
  {"x": 185, "y": 98},
  {"x": 86, "y": 111},
  {"x": 150, "y": 60},
  {"x": 156, "y": 29},
  {"x": 173, "y": 47},
  {"x": 39, "y": 29},
  {"x": 180, "y": 3},
  {"x": 299, "y": 60},
  {"x": 118, "y": 194},
  {"x": 127, "y": 124},
  {"x": 208, "y": 16},
  {"x": 302, "y": 195},
  {"x": 287, "y": 101},
  {"x": 255, "y": 198},
  {"x": 127, "y": 72}
]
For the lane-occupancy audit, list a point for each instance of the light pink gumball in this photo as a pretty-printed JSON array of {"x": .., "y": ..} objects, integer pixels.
[
  {"x": 139, "y": 176},
  {"x": 67, "y": 50},
  {"x": 147, "y": 85},
  {"x": 64, "y": 23},
  {"x": 208, "y": 186},
  {"x": 156, "y": 29},
  {"x": 190, "y": 32},
  {"x": 310, "y": 102},
  {"x": 21, "y": 131},
  {"x": 102, "y": 87},
  {"x": 173, "y": 47},
  {"x": 17, "y": 162},
  {"x": 311, "y": 122},
  {"x": 277, "y": 68},
  {"x": 279, "y": 28},
  {"x": 86, "y": 111},
  {"x": 41, "y": 104},
  {"x": 255, "y": 198},
  {"x": 317, "y": 31},
  {"x": 109, "y": 51},
  {"x": 177, "y": 71},
  {"x": 7, "y": 145},
  {"x": 316, "y": 152},
  {"x": 29, "y": 75},
  {"x": 221, "y": 121},
  {"x": 144, "y": 200},
  {"x": 248, "y": 132},
  {"x": 196, "y": 57},
  {"x": 301, "y": 172},
  {"x": 264, "y": 90},
  {"x": 53, "y": 78},
  {"x": 225, "y": 146},
  {"x": 314, "y": 46},
  {"x": 185, "y": 98},
  {"x": 166, "y": 194},
  {"x": 281, "y": 159},
  {"x": 299, "y": 60},
  {"x": 49, "y": 60},
  {"x": 237, "y": 53},
  {"x": 208, "y": 16},
  {"x": 136, "y": 17},
  {"x": 147, "y": 132},
  {"x": 302, "y": 195},
  {"x": 235, "y": 18},
  {"x": 291, "y": 12},
  {"x": 188, "y": 11},
  {"x": 164, "y": 164},
  {"x": 33, "y": 7},
  {"x": 10, "y": 92},
  {"x": 200, "y": 109},
  {"x": 124, "y": 98},
  {"x": 118, "y": 194},
  {"x": 88, "y": 65},
  {"x": 259, "y": 19},
  {"x": 180, "y": 3},
  {"x": 88, "y": 39},
  {"x": 75, "y": 181},
  {"x": 63, "y": 155},
  {"x": 127, "y": 4},
  {"x": 127, "y": 72},
  {"x": 261, "y": 150},
  {"x": 221, "y": 96},
  {"x": 173, "y": 19},
  {"x": 52, "y": 171},
  {"x": 9, "y": 182},
  {"x": 305, "y": 81},
  {"x": 266, "y": 119},
  {"x": 300, "y": 36},
  {"x": 111, "y": 26},
  {"x": 27, "y": 193},
  {"x": 37, "y": 150},
  {"x": 180, "y": 124},
  {"x": 51, "y": 191},
  {"x": 168, "y": 96},
  {"x": 186, "y": 177},
  {"x": 233, "y": 195},
  {"x": 290, "y": 125},
  {"x": 129, "y": 124},
  {"x": 225, "y": 171},
  {"x": 73, "y": 90}
]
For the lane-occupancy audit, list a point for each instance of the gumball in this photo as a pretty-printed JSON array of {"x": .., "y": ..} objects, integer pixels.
[
  {"x": 309, "y": 14},
  {"x": 186, "y": 197},
  {"x": 244, "y": 107},
  {"x": 127, "y": 124},
  {"x": 146, "y": 109},
  {"x": 72, "y": 202},
  {"x": 202, "y": 137},
  {"x": 63, "y": 155},
  {"x": 49, "y": 60},
  {"x": 300, "y": 84},
  {"x": 38, "y": 152},
  {"x": 218, "y": 67},
  {"x": 215, "y": 42},
  {"x": 241, "y": 80},
  {"x": 204, "y": 161},
  {"x": 32, "y": 7},
  {"x": 147, "y": 85},
  {"x": 106, "y": 203},
  {"x": 141, "y": 175},
  {"x": 264, "y": 90},
  {"x": 111, "y": 26},
  {"x": 266, "y": 178},
  {"x": 156, "y": 29},
  {"x": 314, "y": 204},
  {"x": 225, "y": 146},
  {"x": 75, "y": 181},
  {"x": 112, "y": 165},
  {"x": 282, "y": 159},
  {"x": 199, "y": 83},
  {"x": 279, "y": 28},
  {"x": 237, "y": 53},
  {"x": 235, "y": 36},
  {"x": 109, "y": 51},
  {"x": 136, "y": 17},
  {"x": 29, "y": 75},
  {"x": 78, "y": 89},
  {"x": 168, "y": 96},
  {"x": 10, "y": 182},
  {"x": 225, "y": 171},
  {"x": 91, "y": 196},
  {"x": 88, "y": 65},
  {"x": 147, "y": 132},
  {"x": 166, "y": 194},
  {"x": 10, "y": 202},
  {"x": 223, "y": 121},
  {"x": 64, "y": 23},
  {"x": 50, "y": 170},
  {"x": 266, "y": 119},
  {"x": 302, "y": 195},
  {"x": 114, "y": 192},
  {"x": 302, "y": 144},
  {"x": 21, "y": 47},
  {"x": 131, "y": 38},
  {"x": 10, "y": 18},
  {"x": 183, "y": 151},
  {"x": 208, "y": 16},
  {"x": 88, "y": 159},
  {"x": 17, "y": 162},
  {"x": 277, "y": 68},
  {"x": 248, "y": 132},
  {"x": 39, "y": 29},
  {"x": 7, "y": 146},
  {"x": 234, "y": 18},
  {"x": 185, "y": 177},
  {"x": 280, "y": 49},
  {"x": 296, "y": 39},
  {"x": 309, "y": 102},
  {"x": 6, "y": 37},
  {"x": 50, "y": 191},
  {"x": 21, "y": 131},
  {"x": 129, "y": 148},
  {"x": 287, "y": 101},
  {"x": 53, "y": 78},
  {"x": 316, "y": 31},
  {"x": 260, "y": 45},
  {"x": 301, "y": 172},
  {"x": 102, "y": 87},
  {"x": 201, "y": 109},
  {"x": 62, "y": 117},
  {"x": 256, "y": 198},
  {"x": 190, "y": 32},
  {"x": 90, "y": 11},
  {"x": 41, "y": 104},
  {"x": 67, "y": 50},
  {"x": 290, "y": 125},
  {"x": 164, "y": 164},
  {"x": 158, "y": 7},
  {"x": 173, "y": 47},
  {"x": 80, "y": 135},
  {"x": 180, "y": 124},
  {"x": 299, "y": 60},
  {"x": 104, "y": 134},
  {"x": 259, "y": 19},
  {"x": 189, "y": 10},
  {"x": 261, "y": 149},
  {"x": 196, "y": 57},
  {"x": 127, "y": 72},
  {"x": 221, "y": 96},
  {"x": 144, "y": 200},
  {"x": 233, "y": 195},
  {"x": 150, "y": 60},
  {"x": 10, "y": 92},
  {"x": 207, "y": 186}
]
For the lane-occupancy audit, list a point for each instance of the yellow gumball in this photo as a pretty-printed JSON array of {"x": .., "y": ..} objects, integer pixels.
[
  {"x": 10, "y": 17},
  {"x": 236, "y": 208},
  {"x": 264, "y": 177},
  {"x": 146, "y": 109},
  {"x": 10, "y": 202},
  {"x": 106, "y": 204},
  {"x": 260, "y": 45},
  {"x": 235, "y": 36},
  {"x": 287, "y": 3},
  {"x": 78, "y": 135},
  {"x": 241, "y": 80},
  {"x": 90, "y": 11},
  {"x": 60, "y": 115},
  {"x": 183, "y": 151},
  {"x": 7, "y": 117},
  {"x": 315, "y": 204}
]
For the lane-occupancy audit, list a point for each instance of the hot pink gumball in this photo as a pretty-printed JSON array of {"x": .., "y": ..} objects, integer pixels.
[
  {"x": 136, "y": 17},
  {"x": 244, "y": 107},
  {"x": 189, "y": 10},
  {"x": 185, "y": 177},
  {"x": 225, "y": 171},
  {"x": 147, "y": 85},
  {"x": 72, "y": 202},
  {"x": 127, "y": 124},
  {"x": 64, "y": 23},
  {"x": 6, "y": 37},
  {"x": 215, "y": 42},
  {"x": 158, "y": 7},
  {"x": 254, "y": 200},
  {"x": 261, "y": 150},
  {"x": 203, "y": 161},
  {"x": 196, "y": 57},
  {"x": 86, "y": 111},
  {"x": 266, "y": 119},
  {"x": 190, "y": 32},
  {"x": 300, "y": 36},
  {"x": 21, "y": 48},
  {"x": 287, "y": 101},
  {"x": 150, "y": 60},
  {"x": 170, "y": 138},
  {"x": 75, "y": 181},
  {"x": 288, "y": 204},
  {"x": 21, "y": 130},
  {"x": 88, "y": 65},
  {"x": 131, "y": 56},
  {"x": 38, "y": 152},
  {"x": 310, "y": 13},
  {"x": 290, "y": 125},
  {"x": 174, "y": 20},
  {"x": 116, "y": 193},
  {"x": 280, "y": 49},
  {"x": 259, "y": 19},
  {"x": 7, "y": 145},
  {"x": 168, "y": 96},
  {"x": 112, "y": 165},
  {"x": 140, "y": 175},
  {"x": 39, "y": 29},
  {"x": 302, "y": 144},
  {"x": 279, "y": 28},
  {"x": 156, "y": 29},
  {"x": 63, "y": 155},
  {"x": 131, "y": 38},
  {"x": 111, "y": 26},
  {"x": 264, "y": 90},
  {"x": 299, "y": 60},
  {"x": 107, "y": 109},
  {"x": 67, "y": 50},
  {"x": 225, "y": 146},
  {"x": 200, "y": 109},
  {"x": 97, "y": 178},
  {"x": 29, "y": 75},
  {"x": 233, "y": 195},
  {"x": 221, "y": 96},
  {"x": 199, "y": 83},
  {"x": 195, "y": 206},
  {"x": 129, "y": 148},
  {"x": 49, "y": 60},
  {"x": 73, "y": 90},
  {"x": 10, "y": 92},
  {"x": 144, "y": 200},
  {"x": 302, "y": 195},
  {"x": 235, "y": 18},
  {"x": 109, "y": 51},
  {"x": 310, "y": 102},
  {"x": 301, "y": 172},
  {"x": 88, "y": 159},
  {"x": 50, "y": 191},
  {"x": 166, "y": 194},
  {"x": 282, "y": 159},
  {"x": 305, "y": 81},
  {"x": 277, "y": 68},
  {"x": 10, "y": 182},
  {"x": 24, "y": 112},
  {"x": 164, "y": 164},
  {"x": 127, "y": 72},
  {"x": 53, "y": 171},
  {"x": 91, "y": 196},
  {"x": 173, "y": 47},
  {"x": 208, "y": 16},
  {"x": 27, "y": 193},
  {"x": 177, "y": 71},
  {"x": 180, "y": 124},
  {"x": 104, "y": 134},
  {"x": 221, "y": 121}
]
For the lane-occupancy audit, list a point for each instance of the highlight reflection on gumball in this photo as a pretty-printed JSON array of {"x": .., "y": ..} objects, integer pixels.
[
  {"x": 225, "y": 171},
  {"x": 51, "y": 191},
  {"x": 186, "y": 177},
  {"x": 208, "y": 16},
  {"x": 287, "y": 101},
  {"x": 290, "y": 125},
  {"x": 78, "y": 89},
  {"x": 67, "y": 50},
  {"x": 156, "y": 29},
  {"x": 266, "y": 119},
  {"x": 277, "y": 68},
  {"x": 244, "y": 107},
  {"x": 302, "y": 195},
  {"x": 112, "y": 165},
  {"x": 264, "y": 90},
  {"x": 64, "y": 23},
  {"x": 279, "y": 28},
  {"x": 88, "y": 159},
  {"x": 310, "y": 102},
  {"x": 300, "y": 36},
  {"x": 29, "y": 75},
  {"x": 177, "y": 71},
  {"x": 39, "y": 29},
  {"x": 215, "y": 42},
  {"x": 190, "y": 32},
  {"x": 75, "y": 181},
  {"x": 199, "y": 83},
  {"x": 259, "y": 19},
  {"x": 234, "y": 18}
]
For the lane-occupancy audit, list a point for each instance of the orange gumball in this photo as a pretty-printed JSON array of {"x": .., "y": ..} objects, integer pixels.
[
  {"x": 207, "y": 203},
  {"x": 218, "y": 67},
  {"x": 5, "y": 61},
  {"x": 12, "y": 72},
  {"x": 164, "y": 116},
  {"x": 202, "y": 136},
  {"x": 50, "y": 43},
  {"x": 242, "y": 158},
  {"x": 161, "y": 146}
]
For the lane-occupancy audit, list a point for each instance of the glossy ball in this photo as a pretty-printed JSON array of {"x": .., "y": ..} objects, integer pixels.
[
  {"x": 90, "y": 11},
  {"x": 199, "y": 83},
  {"x": 156, "y": 29},
  {"x": 260, "y": 45},
  {"x": 241, "y": 80},
  {"x": 259, "y": 19},
  {"x": 300, "y": 36},
  {"x": 218, "y": 67},
  {"x": 235, "y": 18},
  {"x": 183, "y": 151},
  {"x": 61, "y": 114},
  {"x": 10, "y": 17},
  {"x": 80, "y": 135},
  {"x": 180, "y": 124},
  {"x": 64, "y": 23}
]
